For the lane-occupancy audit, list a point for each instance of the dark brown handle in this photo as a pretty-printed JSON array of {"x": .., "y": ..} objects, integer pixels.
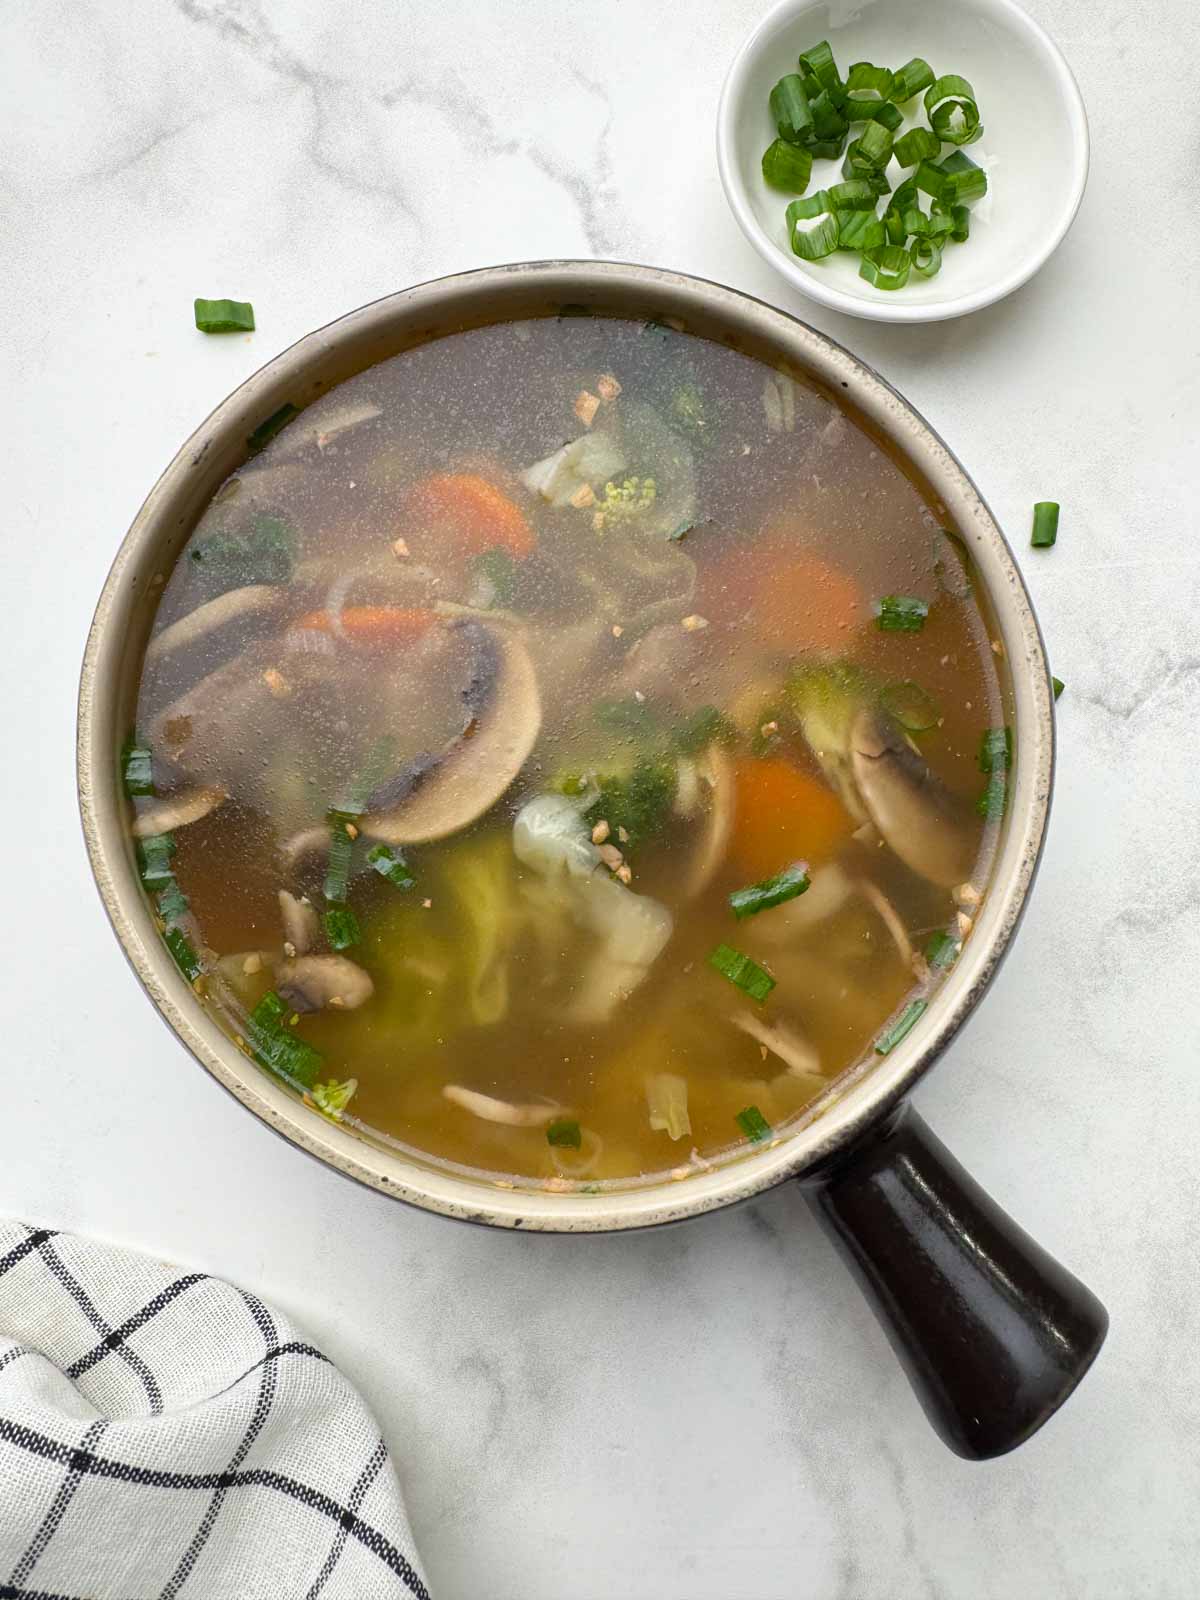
[{"x": 993, "y": 1333}]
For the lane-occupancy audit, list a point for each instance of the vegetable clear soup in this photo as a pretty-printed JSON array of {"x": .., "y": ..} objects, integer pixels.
[{"x": 567, "y": 749}]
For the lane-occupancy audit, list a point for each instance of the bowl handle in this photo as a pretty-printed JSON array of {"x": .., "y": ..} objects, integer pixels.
[{"x": 993, "y": 1333}]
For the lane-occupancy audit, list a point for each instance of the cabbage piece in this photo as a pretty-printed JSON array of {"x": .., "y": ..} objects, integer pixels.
[
  {"x": 666, "y": 1095},
  {"x": 585, "y": 462}
]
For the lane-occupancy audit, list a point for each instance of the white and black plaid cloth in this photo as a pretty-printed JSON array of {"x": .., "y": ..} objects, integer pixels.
[{"x": 164, "y": 1434}]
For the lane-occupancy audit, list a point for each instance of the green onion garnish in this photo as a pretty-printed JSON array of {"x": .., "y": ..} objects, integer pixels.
[
  {"x": 753, "y": 1124},
  {"x": 224, "y": 316},
  {"x": 154, "y": 860},
  {"x": 856, "y": 194},
  {"x": 390, "y": 864},
  {"x": 860, "y": 230},
  {"x": 866, "y": 84},
  {"x": 910, "y": 79},
  {"x": 902, "y": 613},
  {"x": 1045, "y": 524},
  {"x": 172, "y": 902},
  {"x": 926, "y": 258},
  {"x": 789, "y": 107},
  {"x": 820, "y": 240},
  {"x": 930, "y": 177},
  {"x": 995, "y": 750},
  {"x": 885, "y": 265},
  {"x": 820, "y": 63},
  {"x": 137, "y": 769},
  {"x": 278, "y": 1050},
  {"x": 186, "y": 959},
  {"x": 743, "y": 973},
  {"x": 341, "y": 927},
  {"x": 917, "y": 145},
  {"x": 899, "y": 1029},
  {"x": 564, "y": 1132},
  {"x": 275, "y": 423},
  {"x": 991, "y": 802},
  {"x": 829, "y": 127},
  {"x": 756, "y": 897},
  {"x": 1057, "y": 685},
  {"x": 942, "y": 950},
  {"x": 914, "y": 709},
  {"x": 952, "y": 111},
  {"x": 787, "y": 166},
  {"x": 872, "y": 148},
  {"x": 969, "y": 181},
  {"x": 857, "y": 170},
  {"x": 341, "y": 848}
]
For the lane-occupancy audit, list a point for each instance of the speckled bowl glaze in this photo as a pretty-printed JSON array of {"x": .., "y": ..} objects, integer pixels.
[{"x": 863, "y": 1108}]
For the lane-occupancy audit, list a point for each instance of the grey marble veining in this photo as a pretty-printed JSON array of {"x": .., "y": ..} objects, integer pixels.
[{"x": 705, "y": 1413}]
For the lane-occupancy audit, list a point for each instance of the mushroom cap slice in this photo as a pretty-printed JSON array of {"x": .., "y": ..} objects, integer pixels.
[
  {"x": 930, "y": 829},
  {"x": 716, "y": 772},
  {"x": 448, "y": 793},
  {"x": 178, "y": 810},
  {"x": 235, "y": 606},
  {"x": 310, "y": 983}
]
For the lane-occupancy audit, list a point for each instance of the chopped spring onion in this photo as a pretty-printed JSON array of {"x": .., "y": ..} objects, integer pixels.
[
  {"x": 917, "y": 145},
  {"x": 186, "y": 959},
  {"x": 934, "y": 226},
  {"x": 743, "y": 973},
  {"x": 934, "y": 181},
  {"x": 333, "y": 1097},
  {"x": 341, "y": 927},
  {"x": 789, "y": 107},
  {"x": 856, "y": 169},
  {"x": 995, "y": 750},
  {"x": 991, "y": 802},
  {"x": 952, "y": 111},
  {"x": 942, "y": 950},
  {"x": 829, "y": 125},
  {"x": 866, "y": 84},
  {"x": 667, "y": 1096},
  {"x": 341, "y": 848},
  {"x": 969, "y": 180},
  {"x": 154, "y": 860},
  {"x": 280, "y": 1051},
  {"x": 856, "y": 194},
  {"x": 172, "y": 902},
  {"x": 902, "y": 613},
  {"x": 275, "y": 423},
  {"x": 885, "y": 265},
  {"x": 960, "y": 218},
  {"x": 390, "y": 864},
  {"x": 820, "y": 64},
  {"x": 914, "y": 709},
  {"x": 564, "y": 1133},
  {"x": 860, "y": 230},
  {"x": 224, "y": 316},
  {"x": 926, "y": 257},
  {"x": 910, "y": 79},
  {"x": 787, "y": 166},
  {"x": 1057, "y": 685},
  {"x": 901, "y": 1028},
  {"x": 1045, "y": 524},
  {"x": 756, "y": 897},
  {"x": 872, "y": 148},
  {"x": 819, "y": 240},
  {"x": 137, "y": 769},
  {"x": 753, "y": 1124}
]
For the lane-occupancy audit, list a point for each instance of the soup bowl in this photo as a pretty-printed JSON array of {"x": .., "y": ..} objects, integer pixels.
[{"x": 993, "y": 1332}]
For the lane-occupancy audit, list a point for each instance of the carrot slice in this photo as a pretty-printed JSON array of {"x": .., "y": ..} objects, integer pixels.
[
  {"x": 373, "y": 624},
  {"x": 472, "y": 514},
  {"x": 783, "y": 815},
  {"x": 794, "y": 598}
]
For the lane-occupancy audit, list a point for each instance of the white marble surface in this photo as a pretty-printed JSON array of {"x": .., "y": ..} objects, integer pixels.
[{"x": 709, "y": 1413}]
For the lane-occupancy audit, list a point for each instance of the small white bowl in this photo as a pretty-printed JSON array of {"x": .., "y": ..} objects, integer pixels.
[{"x": 1034, "y": 146}]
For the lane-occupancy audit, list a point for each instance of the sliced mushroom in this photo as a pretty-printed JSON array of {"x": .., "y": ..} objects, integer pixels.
[
  {"x": 297, "y": 847},
  {"x": 796, "y": 1052},
  {"x": 321, "y": 425},
  {"x": 489, "y": 1109},
  {"x": 177, "y": 811},
  {"x": 228, "y": 610},
  {"x": 438, "y": 794},
  {"x": 715, "y": 769},
  {"x": 890, "y": 918},
  {"x": 300, "y": 926},
  {"x": 310, "y": 983},
  {"x": 928, "y": 828}
]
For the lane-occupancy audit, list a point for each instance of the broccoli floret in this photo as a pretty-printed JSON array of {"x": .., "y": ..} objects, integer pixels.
[
  {"x": 639, "y": 803},
  {"x": 624, "y": 502}
]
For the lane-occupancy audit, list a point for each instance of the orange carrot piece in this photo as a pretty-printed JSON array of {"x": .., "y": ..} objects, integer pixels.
[
  {"x": 373, "y": 624},
  {"x": 792, "y": 598},
  {"x": 472, "y": 514},
  {"x": 783, "y": 815}
]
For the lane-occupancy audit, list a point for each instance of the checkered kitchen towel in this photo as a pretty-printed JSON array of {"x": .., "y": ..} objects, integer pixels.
[{"x": 165, "y": 1434}]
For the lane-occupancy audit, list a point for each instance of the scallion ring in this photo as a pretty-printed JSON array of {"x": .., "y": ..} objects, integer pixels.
[
  {"x": 820, "y": 63},
  {"x": 787, "y": 166},
  {"x": 815, "y": 242},
  {"x": 917, "y": 145},
  {"x": 789, "y": 107},
  {"x": 861, "y": 230},
  {"x": 885, "y": 266},
  {"x": 952, "y": 110},
  {"x": 926, "y": 257},
  {"x": 910, "y": 79}
]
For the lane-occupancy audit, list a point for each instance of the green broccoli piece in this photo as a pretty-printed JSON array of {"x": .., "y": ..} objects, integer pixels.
[
  {"x": 639, "y": 803},
  {"x": 624, "y": 502}
]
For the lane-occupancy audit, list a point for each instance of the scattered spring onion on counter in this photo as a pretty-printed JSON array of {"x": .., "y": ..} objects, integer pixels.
[
  {"x": 902, "y": 613},
  {"x": 814, "y": 111},
  {"x": 564, "y": 1133},
  {"x": 753, "y": 1124},
  {"x": 756, "y": 897},
  {"x": 901, "y": 1028},
  {"x": 224, "y": 316},
  {"x": 1057, "y": 685},
  {"x": 1045, "y": 524},
  {"x": 743, "y": 973}
]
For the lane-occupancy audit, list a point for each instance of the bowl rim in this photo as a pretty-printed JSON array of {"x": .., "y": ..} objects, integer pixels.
[
  {"x": 494, "y": 294},
  {"x": 893, "y": 308}
]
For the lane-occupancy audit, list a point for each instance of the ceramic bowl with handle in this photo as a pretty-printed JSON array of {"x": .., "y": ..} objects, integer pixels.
[{"x": 995, "y": 1334}]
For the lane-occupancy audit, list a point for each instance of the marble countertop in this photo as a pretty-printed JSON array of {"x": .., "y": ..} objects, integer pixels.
[{"x": 708, "y": 1413}]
